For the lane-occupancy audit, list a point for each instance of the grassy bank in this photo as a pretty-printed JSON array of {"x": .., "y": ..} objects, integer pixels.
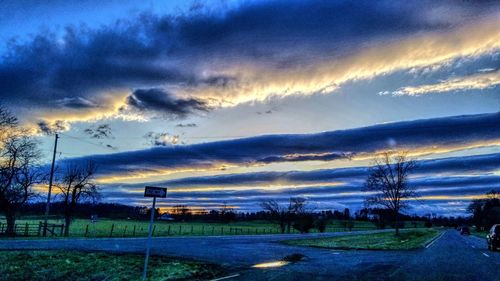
[
  {"x": 480, "y": 234},
  {"x": 82, "y": 266},
  {"x": 407, "y": 240}
]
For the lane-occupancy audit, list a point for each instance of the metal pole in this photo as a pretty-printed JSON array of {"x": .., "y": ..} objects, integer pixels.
[
  {"x": 148, "y": 246},
  {"x": 47, "y": 207}
]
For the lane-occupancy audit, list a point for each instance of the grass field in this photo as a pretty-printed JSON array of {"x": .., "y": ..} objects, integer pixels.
[
  {"x": 408, "y": 239},
  {"x": 135, "y": 228},
  {"x": 83, "y": 266},
  {"x": 480, "y": 234}
]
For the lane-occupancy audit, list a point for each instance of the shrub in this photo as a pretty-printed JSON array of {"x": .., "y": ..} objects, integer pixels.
[
  {"x": 321, "y": 224},
  {"x": 304, "y": 223}
]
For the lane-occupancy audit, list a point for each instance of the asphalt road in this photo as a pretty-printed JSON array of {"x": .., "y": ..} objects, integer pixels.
[{"x": 450, "y": 257}]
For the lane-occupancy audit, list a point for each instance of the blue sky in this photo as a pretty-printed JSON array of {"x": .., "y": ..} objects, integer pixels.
[{"x": 180, "y": 92}]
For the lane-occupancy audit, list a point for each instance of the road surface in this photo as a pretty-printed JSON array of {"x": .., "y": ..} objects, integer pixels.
[{"x": 450, "y": 257}]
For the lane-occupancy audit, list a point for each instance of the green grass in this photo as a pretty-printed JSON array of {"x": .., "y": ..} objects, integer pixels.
[
  {"x": 480, "y": 234},
  {"x": 82, "y": 266},
  {"x": 407, "y": 240},
  {"x": 125, "y": 228}
]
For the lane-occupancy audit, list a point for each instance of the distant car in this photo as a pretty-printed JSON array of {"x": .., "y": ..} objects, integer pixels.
[
  {"x": 493, "y": 237},
  {"x": 465, "y": 230}
]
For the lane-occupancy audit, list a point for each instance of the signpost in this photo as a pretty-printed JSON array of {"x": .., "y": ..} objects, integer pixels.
[{"x": 151, "y": 191}]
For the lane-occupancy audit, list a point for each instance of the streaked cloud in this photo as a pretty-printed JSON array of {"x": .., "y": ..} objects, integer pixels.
[
  {"x": 439, "y": 181},
  {"x": 204, "y": 59},
  {"x": 473, "y": 82},
  {"x": 439, "y": 134}
]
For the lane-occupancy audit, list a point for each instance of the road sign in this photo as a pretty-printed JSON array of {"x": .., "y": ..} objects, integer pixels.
[{"x": 153, "y": 191}]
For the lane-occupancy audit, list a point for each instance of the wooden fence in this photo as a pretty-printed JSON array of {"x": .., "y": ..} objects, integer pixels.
[{"x": 34, "y": 229}]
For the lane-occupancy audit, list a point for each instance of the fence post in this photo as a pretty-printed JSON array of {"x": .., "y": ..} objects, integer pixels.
[
  {"x": 191, "y": 229},
  {"x": 26, "y": 230},
  {"x": 133, "y": 232},
  {"x": 125, "y": 230},
  {"x": 168, "y": 232},
  {"x": 62, "y": 228},
  {"x": 112, "y": 228},
  {"x": 39, "y": 228},
  {"x": 154, "y": 228},
  {"x": 180, "y": 229},
  {"x": 213, "y": 230},
  {"x": 222, "y": 230},
  {"x": 86, "y": 230},
  {"x": 202, "y": 230}
]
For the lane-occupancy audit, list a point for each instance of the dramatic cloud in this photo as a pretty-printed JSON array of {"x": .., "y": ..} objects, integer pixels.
[
  {"x": 420, "y": 137},
  {"x": 164, "y": 103},
  {"x": 247, "y": 53},
  {"x": 473, "y": 82}
]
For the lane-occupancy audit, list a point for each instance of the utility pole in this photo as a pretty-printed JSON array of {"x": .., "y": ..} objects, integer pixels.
[{"x": 47, "y": 207}]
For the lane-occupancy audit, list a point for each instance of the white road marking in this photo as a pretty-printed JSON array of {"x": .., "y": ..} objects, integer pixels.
[
  {"x": 486, "y": 255},
  {"x": 227, "y": 277},
  {"x": 430, "y": 244}
]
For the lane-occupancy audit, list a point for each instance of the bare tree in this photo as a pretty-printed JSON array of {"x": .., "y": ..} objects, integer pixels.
[
  {"x": 284, "y": 214},
  {"x": 278, "y": 213},
  {"x": 388, "y": 183},
  {"x": 226, "y": 212},
  {"x": 181, "y": 211},
  {"x": 18, "y": 168},
  {"x": 75, "y": 185}
]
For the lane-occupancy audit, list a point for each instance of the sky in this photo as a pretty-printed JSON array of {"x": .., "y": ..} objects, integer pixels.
[{"x": 236, "y": 102}]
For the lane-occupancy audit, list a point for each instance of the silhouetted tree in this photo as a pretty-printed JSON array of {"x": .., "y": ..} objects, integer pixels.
[
  {"x": 347, "y": 214},
  {"x": 486, "y": 211},
  {"x": 388, "y": 183},
  {"x": 321, "y": 223},
  {"x": 278, "y": 213},
  {"x": 226, "y": 213},
  {"x": 76, "y": 184},
  {"x": 19, "y": 156},
  {"x": 283, "y": 214},
  {"x": 183, "y": 212}
]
